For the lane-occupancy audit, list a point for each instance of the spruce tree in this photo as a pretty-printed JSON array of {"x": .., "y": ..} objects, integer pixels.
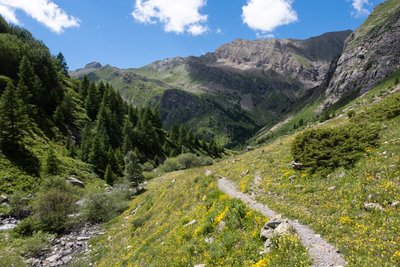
[
  {"x": 52, "y": 163},
  {"x": 86, "y": 142},
  {"x": 92, "y": 102},
  {"x": 85, "y": 87},
  {"x": 109, "y": 175},
  {"x": 13, "y": 117},
  {"x": 99, "y": 148},
  {"x": 133, "y": 171},
  {"x": 127, "y": 135},
  {"x": 62, "y": 64},
  {"x": 28, "y": 87}
]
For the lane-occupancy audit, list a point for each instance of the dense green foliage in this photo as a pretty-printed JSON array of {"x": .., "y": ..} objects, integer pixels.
[{"x": 329, "y": 148}]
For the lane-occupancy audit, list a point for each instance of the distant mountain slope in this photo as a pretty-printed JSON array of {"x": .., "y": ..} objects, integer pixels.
[
  {"x": 233, "y": 91},
  {"x": 371, "y": 53}
]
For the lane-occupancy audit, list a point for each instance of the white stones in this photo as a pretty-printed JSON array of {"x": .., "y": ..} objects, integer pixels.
[{"x": 190, "y": 223}]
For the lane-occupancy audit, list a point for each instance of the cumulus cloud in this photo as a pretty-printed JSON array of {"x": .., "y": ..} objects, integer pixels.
[
  {"x": 178, "y": 16},
  {"x": 44, "y": 11},
  {"x": 267, "y": 15},
  {"x": 361, "y": 7}
]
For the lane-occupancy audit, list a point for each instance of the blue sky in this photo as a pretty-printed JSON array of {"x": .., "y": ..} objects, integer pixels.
[{"x": 133, "y": 33}]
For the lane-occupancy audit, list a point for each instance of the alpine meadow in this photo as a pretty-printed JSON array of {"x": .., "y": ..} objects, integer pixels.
[{"x": 267, "y": 151}]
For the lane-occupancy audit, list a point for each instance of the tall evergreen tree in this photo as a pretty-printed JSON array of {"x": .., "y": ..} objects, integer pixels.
[
  {"x": 86, "y": 142},
  {"x": 109, "y": 175},
  {"x": 85, "y": 87},
  {"x": 128, "y": 135},
  {"x": 99, "y": 148},
  {"x": 52, "y": 163},
  {"x": 62, "y": 64},
  {"x": 13, "y": 117},
  {"x": 133, "y": 171},
  {"x": 92, "y": 102},
  {"x": 28, "y": 87}
]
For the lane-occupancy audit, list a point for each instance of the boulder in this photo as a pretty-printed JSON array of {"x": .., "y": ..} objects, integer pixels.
[
  {"x": 297, "y": 166},
  {"x": 273, "y": 223},
  {"x": 283, "y": 229},
  {"x": 74, "y": 181},
  {"x": 266, "y": 234},
  {"x": 4, "y": 199},
  {"x": 372, "y": 206}
]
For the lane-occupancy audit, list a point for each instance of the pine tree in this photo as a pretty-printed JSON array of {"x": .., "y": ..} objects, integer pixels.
[
  {"x": 62, "y": 64},
  {"x": 52, "y": 163},
  {"x": 133, "y": 171},
  {"x": 86, "y": 142},
  {"x": 27, "y": 88},
  {"x": 99, "y": 148},
  {"x": 127, "y": 134},
  {"x": 113, "y": 162},
  {"x": 92, "y": 102},
  {"x": 109, "y": 176},
  {"x": 85, "y": 87},
  {"x": 13, "y": 117}
]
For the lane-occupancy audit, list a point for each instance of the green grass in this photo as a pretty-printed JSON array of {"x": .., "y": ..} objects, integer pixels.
[
  {"x": 158, "y": 234},
  {"x": 333, "y": 205}
]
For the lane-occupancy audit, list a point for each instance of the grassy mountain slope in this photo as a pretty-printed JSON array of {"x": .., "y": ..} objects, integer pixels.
[
  {"x": 183, "y": 220},
  {"x": 334, "y": 204}
]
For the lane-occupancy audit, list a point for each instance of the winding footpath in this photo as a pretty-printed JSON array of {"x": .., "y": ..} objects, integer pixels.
[{"x": 322, "y": 253}]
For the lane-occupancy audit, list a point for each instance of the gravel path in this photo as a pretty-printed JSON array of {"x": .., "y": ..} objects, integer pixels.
[{"x": 322, "y": 253}]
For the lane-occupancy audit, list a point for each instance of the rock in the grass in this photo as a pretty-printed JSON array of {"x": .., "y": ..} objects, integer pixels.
[
  {"x": 200, "y": 265},
  {"x": 273, "y": 223},
  {"x": 74, "y": 181},
  {"x": 283, "y": 228},
  {"x": 208, "y": 173},
  {"x": 266, "y": 234},
  {"x": 209, "y": 240},
  {"x": 332, "y": 188},
  {"x": 372, "y": 206},
  {"x": 395, "y": 204},
  {"x": 245, "y": 172},
  {"x": 190, "y": 223},
  {"x": 297, "y": 166},
  {"x": 66, "y": 259},
  {"x": 267, "y": 244},
  {"x": 4, "y": 198},
  {"x": 174, "y": 181},
  {"x": 221, "y": 226}
]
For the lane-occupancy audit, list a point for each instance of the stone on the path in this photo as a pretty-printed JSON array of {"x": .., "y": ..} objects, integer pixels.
[
  {"x": 76, "y": 182},
  {"x": 372, "y": 206}
]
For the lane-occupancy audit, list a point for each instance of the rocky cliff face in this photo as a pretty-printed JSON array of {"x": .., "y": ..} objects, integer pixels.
[
  {"x": 371, "y": 53},
  {"x": 304, "y": 60}
]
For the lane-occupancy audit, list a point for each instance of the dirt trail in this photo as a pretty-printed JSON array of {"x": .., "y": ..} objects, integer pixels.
[{"x": 322, "y": 253}]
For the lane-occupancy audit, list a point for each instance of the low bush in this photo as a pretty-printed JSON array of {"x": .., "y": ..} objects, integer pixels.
[
  {"x": 101, "y": 207},
  {"x": 20, "y": 206},
  {"x": 184, "y": 161},
  {"x": 54, "y": 202},
  {"x": 34, "y": 245},
  {"x": 326, "y": 149}
]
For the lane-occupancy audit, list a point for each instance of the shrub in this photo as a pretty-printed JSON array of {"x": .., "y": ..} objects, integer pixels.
[
  {"x": 34, "y": 245},
  {"x": 326, "y": 149},
  {"x": 10, "y": 258},
  {"x": 171, "y": 164},
  {"x": 27, "y": 226},
  {"x": 351, "y": 113},
  {"x": 55, "y": 201},
  {"x": 20, "y": 207},
  {"x": 147, "y": 167},
  {"x": 101, "y": 207},
  {"x": 189, "y": 160}
]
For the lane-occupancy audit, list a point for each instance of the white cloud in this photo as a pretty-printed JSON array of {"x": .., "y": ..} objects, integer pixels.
[
  {"x": 44, "y": 11},
  {"x": 178, "y": 16},
  {"x": 360, "y": 7},
  {"x": 267, "y": 15}
]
